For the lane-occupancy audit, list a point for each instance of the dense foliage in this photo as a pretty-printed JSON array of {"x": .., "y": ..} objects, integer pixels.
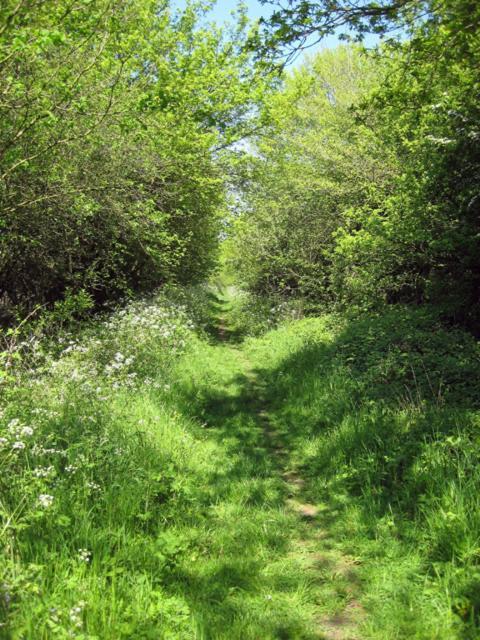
[
  {"x": 422, "y": 244},
  {"x": 316, "y": 165},
  {"x": 111, "y": 112},
  {"x": 369, "y": 186}
]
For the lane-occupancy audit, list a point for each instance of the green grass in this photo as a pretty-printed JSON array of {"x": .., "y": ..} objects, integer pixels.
[
  {"x": 380, "y": 417},
  {"x": 175, "y": 463}
]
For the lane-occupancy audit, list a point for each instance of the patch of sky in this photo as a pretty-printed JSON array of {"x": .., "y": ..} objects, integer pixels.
[{"x": 222, "y": 12}]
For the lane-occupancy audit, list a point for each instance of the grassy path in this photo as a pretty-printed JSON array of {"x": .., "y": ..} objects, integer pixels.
[
  {"x": 171, "y": 485},
  {"x": 308, "y": 545},
  {"x": 278, "y": 572}
]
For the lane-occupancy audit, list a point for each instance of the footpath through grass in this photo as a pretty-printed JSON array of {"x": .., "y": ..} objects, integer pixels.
[
  {"x": 318, "y": 481},
  {"x": 268, "y": 572}
]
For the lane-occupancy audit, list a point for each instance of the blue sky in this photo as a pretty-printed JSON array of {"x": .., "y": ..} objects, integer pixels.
[
  {"x": 224, "y": 7},
  {"x": 222, "y": 13}
]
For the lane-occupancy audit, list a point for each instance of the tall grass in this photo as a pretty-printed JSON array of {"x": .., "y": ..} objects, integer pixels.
[
  {"x": 131, "y": 508},
  {"x": 141, "y": 495},
  {"x": 381, "y": 416},
  {"x": 91, "y": 449}
]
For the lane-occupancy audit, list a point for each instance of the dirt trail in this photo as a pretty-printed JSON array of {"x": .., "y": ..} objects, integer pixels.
[
  {"x": 310, "y": 546},
  {"x": 323, "y": 566}
]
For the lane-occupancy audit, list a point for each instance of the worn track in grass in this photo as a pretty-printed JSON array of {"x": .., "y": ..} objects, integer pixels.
[{"x": 311, "y": 546}]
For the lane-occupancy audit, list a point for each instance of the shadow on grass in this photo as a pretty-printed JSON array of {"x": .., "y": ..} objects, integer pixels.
[
  {"x": 249, "y": 531},
  {"x": 218, "y": 325},
  {"x": 379, "y": 418}
]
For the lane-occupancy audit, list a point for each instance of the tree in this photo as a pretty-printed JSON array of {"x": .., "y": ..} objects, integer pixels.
[
  {"x": 422, "y": 245},
  {"x": 313, "y": 164},
  {"x": 415, "y": 238},
  {"x": 112, "y": 114},
  {"x": 301, "y": 24}
]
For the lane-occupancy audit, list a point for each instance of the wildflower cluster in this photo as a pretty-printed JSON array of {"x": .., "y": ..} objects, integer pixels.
[
  {"x": 70, "y": 619},
  {"x": 45, "y": 500},
  {"x": 76, "y": 615},
  {"x": 60, "y": 453},
  {"x": 16, "y": 436},
  {"x": 124, "y": 350},
  {"x": 84, "y": 555}
]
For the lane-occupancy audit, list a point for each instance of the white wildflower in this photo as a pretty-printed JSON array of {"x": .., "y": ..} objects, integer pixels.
[
  {"x": 76, "y": 614},
  {"x": 84, "y": 555},
  {"x": 43, "y": 472},
  {"x": 45, "y": 500}
]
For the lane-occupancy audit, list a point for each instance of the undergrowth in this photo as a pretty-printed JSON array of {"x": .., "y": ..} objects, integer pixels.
[{"x": 93, "y": 456}]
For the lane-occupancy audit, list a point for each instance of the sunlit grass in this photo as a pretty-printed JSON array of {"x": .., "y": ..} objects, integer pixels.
[{"x": 148, "y": 497}]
